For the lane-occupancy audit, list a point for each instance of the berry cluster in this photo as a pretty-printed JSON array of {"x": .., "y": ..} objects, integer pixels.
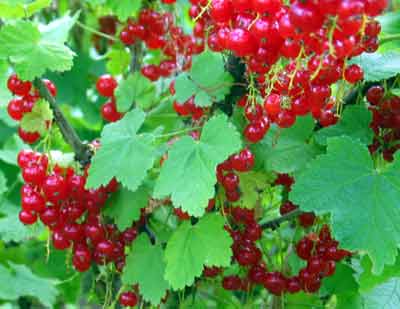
[
  {"x": 385, "y": 122},
  {"x": 58, "y": 197},
  {"x": 158, "y": 31},
  {"x": 321, "y": 253},
  {"x": 24, "y": 103},
  {"x": 226, "y": 176},
  {"x": 105, "y": 86},
  {"x": 316, "y": 37}
]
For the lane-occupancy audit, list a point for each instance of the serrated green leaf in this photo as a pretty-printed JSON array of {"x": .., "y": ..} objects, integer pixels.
[
  {"x": 18, "y": 9},
  {"x": 184, "y": 88},
  {"x": 354, "y": 123},
  {"x": 136, "y": 88},
  {"x": 57, "y": 31},
  {"x": 30, "y": 52},
  {"x": 118, "y": 61},
  {"x": 379, "y": 66},
  {"x": 287, "y": 150},
  {"x": 124, "y": 8},
  {"x": 145, "y": 266},
  {"x": 362, "y": 201},
  {"x": 395, "y": 91},
  {"x": 22, "y": 282},
  {"x": 368, "y": 280},
  {"x": 189, "y": 159},
  {"x": 36, "y": 120},
  {"x": 124, "y": 206},
  {"x": 123, "y": 154},
  {"x": 252, "y": 185},
  {"x": 191, "y": 248}
]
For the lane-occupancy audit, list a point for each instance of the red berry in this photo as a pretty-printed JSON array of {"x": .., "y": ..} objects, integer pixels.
[
  {"x": 304, "y": 248},
  {"x": 27, "y": 217},
  {"x": 17, "y": 86},
  {"x": 106, "y": 85},
  {"x": 15, "y": 109},
  {"x": 28, "y": 137},
  {"x": 128, "y": 299},
  {"x": 353, "y": 74},
  {"x": 307, "y": 219},
  {"x": 232, "y": 283}
]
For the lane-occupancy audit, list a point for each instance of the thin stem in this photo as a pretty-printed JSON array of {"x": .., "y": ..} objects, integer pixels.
[
  {"x": 178, "y": 132},
  {"x": 94, "y": 31},
  {"x": 389, "y": 38},
  {"x": 274, "y": 224},
  {"x": 81, "y": 150},
  {"x": 136, "y": 51}
]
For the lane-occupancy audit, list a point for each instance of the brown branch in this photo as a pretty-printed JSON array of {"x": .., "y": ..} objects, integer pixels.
[
  {"x": 274, "y": 224},
  {"x": 81, "y": 150}
]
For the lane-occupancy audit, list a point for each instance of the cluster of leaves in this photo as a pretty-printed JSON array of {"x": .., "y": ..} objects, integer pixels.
[{"x": 335, "y": 174}]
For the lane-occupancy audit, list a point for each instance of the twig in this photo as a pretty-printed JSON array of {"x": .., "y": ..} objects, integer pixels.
[
  {"x": 81, "y": 150},
  {"x": 274, "y": 224},
  {"x": 136, "y": 51},
  {"x": 94, "y": 31}
]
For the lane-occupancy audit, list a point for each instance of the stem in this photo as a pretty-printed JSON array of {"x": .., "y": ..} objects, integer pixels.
[
  {"x": 94, "y": 31},
  {"x": 178, "y": 132},
  {"x": 274, "y": 224},
  {"x": 389, "y": 38},
  {"x": 82, "y": 151},
  {"x": 136, "y": 50}
]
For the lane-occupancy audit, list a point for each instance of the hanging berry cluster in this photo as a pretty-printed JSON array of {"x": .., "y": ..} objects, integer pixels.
[
  {"x": 24, "y": 103},
  {"x": 158, "y": 31},
  {"x": 386, "y": 121},
  {"x": 57, "y": 196},
  {"x": 315, "y": 38},
  {"x": 320, "y": 252}
]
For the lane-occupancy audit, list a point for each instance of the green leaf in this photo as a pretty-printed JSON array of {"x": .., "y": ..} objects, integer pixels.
[
  {"x": 191, "y": 247},
  {"x": 252, "y": 185},
  {"x": 11, "y": 229},
  {"x": 31, "y": 52},
  {"x": 362, "y": 201},
  {"x": 354, "y": 123},
  {"x": 379, "y": 66},
  {"x": 390, "y": 23},
  {"x": 189, "y": 159},
  {"x": 124, "y": 206},
  {"x": 207, "y": 81},
  {"x": 145, "y": 266},
  {"x": 368, "y": 280},
  {"x": 125, "y": 8},
  {"x": 184, "y": 88},
  {"x": 11, "y": 148},
  {"x": 118, "y": 61},
  {"x": 287, "y": 150},
  {"x": 3, "y": 184},
  {"x": 123, "y": 154},
  {"x": 136, "y": 88},
  {"x": 36, "y": 120},
  {"x": 57, "y": 31},
  {"x": 18, "y": 280},
  {"x": 19, "y": 9},
  {"x": 342, "y": 281},
  {"x": 385, "y": 295}
]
